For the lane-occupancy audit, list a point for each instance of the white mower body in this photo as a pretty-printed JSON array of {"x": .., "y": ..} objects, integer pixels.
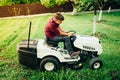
[
  {"x": 88, "y": 43},
  {"x": 48, "y": 58},
  {"x": 43, "y": 50}
]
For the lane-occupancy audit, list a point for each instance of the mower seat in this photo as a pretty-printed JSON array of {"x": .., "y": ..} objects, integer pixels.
[{"x": 51, "y": 43}]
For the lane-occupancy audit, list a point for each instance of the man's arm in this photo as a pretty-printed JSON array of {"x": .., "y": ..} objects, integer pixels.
[
  {"x": 63, "y": 33},
  {"x": 60, "y": 29}
]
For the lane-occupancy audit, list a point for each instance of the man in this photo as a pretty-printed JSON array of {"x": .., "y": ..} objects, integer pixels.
[{"x": 54, "y": 32}]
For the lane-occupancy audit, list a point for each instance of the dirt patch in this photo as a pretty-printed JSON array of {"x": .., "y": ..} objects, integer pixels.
[
  {"x": 1, "y": 58},
  {"x": 1, "y": 49},
  {"x": 5, "y": 59}
]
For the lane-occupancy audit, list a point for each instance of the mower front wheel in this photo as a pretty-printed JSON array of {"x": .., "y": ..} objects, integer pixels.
[
  {"x": 95, "y": 63},
  {"x": 49, "y": 64}
]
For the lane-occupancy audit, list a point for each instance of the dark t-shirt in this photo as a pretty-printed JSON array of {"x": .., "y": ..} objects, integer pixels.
[{"x": 51, "y": 29}]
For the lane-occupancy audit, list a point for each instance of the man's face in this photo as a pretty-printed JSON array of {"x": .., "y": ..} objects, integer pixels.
[{"x": 58, "y": 21}]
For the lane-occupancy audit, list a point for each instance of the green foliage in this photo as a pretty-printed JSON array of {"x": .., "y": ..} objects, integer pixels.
[
  {"x": 59, "y": 2},
  {"x": 114, "y": 1},
  {"x": 10, "y": 2},
  {"x": 20, "y": 1},
  {"x": 117, "y": 1},
  {"x": 48, "y": 3},
  {"x": 83, "y": 5},
  {"x": 51, "y": 3},
  {"x": 24, "y": 1},
  {"x": 5, "y": 2}
]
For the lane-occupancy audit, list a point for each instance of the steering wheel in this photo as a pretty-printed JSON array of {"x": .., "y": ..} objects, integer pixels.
[{"x": 72, "y": 31}]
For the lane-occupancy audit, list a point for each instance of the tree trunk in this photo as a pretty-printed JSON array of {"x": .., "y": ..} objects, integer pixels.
[
  {"x": 109, "y": 9},
  {"x": 94, "y": 24},
  {"x": 100, "y": 15},
  {"x": 74, "y": 12}
]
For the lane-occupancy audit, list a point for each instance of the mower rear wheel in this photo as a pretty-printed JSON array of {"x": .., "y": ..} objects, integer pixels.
[{"x": 49, "y": 64}]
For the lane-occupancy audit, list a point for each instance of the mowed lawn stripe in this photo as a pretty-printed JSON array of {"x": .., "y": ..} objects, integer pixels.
[
  {"x": 9, "y": 35},
  {"x": 6, "y": 24},
  {"x": 117, "y": 29},
  {"x": 35, "y": 27},
  {"x": 9, "y": 56},
  {"x": 109, "y": 31},
  {"x": 3, "y": 24},
  {"x": 40, "y": 22},
  {"x": 78, "y": 24},
  {"x": 11, "y": 48},
  {"x": 6, "y": 42},
  {"x": 10, "y": 27}
]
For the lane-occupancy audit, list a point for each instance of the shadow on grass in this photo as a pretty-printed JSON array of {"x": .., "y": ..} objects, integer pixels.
[
  {"x": 100, "y": 35},
  {"x": 111, "y": 23}
]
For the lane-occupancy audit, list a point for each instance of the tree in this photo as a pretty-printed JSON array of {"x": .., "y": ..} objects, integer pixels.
[
  {"x": 91, "y": 5},
  {"x": 11, "y": 2},
  {"x": 25, "y": 1},
  {"x": 51, "y": 3},
  {"x": 83, "y": 5},
  {"x": 110, "y": 2},
  {"x": 101, "y": 4},
  {"x": 5, "y": 2}
]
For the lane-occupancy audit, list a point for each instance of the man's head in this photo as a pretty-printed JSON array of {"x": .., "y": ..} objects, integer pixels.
[{"x": 58, "y": 18}]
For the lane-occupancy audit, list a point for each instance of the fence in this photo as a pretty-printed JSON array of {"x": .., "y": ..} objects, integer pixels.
[{"x": 34, "y": 8}]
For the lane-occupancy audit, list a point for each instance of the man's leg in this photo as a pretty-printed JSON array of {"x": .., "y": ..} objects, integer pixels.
[
  {"x": 72, "y": 39},
  {"x": 66, "y": 40}
]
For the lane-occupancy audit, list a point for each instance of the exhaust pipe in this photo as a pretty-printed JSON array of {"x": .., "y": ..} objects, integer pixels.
[{"x": 29, "y": 33}]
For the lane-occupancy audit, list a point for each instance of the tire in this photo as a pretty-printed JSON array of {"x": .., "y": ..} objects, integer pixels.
[
  {"x": 95, "y": 63},
  {"x": 49, "y": 64}
]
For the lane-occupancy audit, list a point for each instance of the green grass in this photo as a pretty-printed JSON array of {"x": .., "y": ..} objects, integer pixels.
[{"x": 12, "y": 31}]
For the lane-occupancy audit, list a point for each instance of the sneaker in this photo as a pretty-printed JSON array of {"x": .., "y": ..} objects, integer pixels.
[
  {"x": 75, "y": 54},
  {"x": 78, "y": 66}
]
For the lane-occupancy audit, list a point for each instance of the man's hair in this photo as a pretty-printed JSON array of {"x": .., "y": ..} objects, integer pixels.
[{"x": 59, "y": 16}]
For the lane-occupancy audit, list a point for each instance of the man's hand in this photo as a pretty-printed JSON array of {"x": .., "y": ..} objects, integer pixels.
[{"x": 70, "y": 34}]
